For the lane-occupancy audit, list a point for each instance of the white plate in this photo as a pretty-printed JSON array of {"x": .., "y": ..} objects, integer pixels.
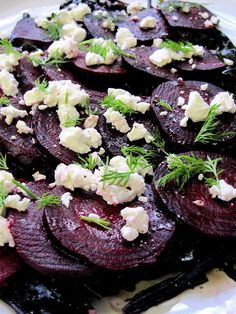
[{"x": 218, "y": 296}]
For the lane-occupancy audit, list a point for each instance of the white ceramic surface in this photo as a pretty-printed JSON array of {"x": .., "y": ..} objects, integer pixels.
[{"x": 218, "y": 296}]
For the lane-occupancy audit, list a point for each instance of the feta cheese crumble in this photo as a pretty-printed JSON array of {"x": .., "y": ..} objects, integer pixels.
[
  {"x": 5, "y": 234},
  {"x": 15, "y": 202},
  {"x": 223, "y": 191},
  {"x": 22, "y": 128},
  {"x": 137, "y": 221},
  {"x": 125, "y": 39},
  {"x": 11, "y": 113},
  {"x": 79, "y": 12},
  {"x": 148, "y": 22},
  {"x": 8, "y": 83},
  {"x": 139, "y": 132},
  {"x": 9, "y": 61},
  {"x": 117, "y": 120},
  {"x": 197, "y": 109},
  {"x": 226, "y": 102},
  {"x": 91, "y": 121},
  {"x": 66, "y": 46},
  {"x": 134, "y": 8},
  {"x": 38, "y": 176},
  {"x": 66, "y": 198},
  {"x": 74, "y": 31}
]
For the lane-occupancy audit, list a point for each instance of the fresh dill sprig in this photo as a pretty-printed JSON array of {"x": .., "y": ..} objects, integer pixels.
[
  {"x": 3, "y": 162},
  {"x": 164, "y": 104},
  {"x": 47, "y": 199},
  {"x": 88, "y": 162},
  {"x": 172, "y": 5},
  {"x": 88, "y": 110},
  {"x": 181, "y": 168},
  {"x": 72, "y": 121},
  {"x": 41, "y": 85},
  {"x": 4, "y": 101},
  {"x": 208, "y": 132},
  {"x": 8, "y": 48},
  {"x": 93, "y": 45},
  {"x": 98, "y": 221},
  {"x": 56, "y": 59},
  {"x": 212, "y": 167},
  {"x": 112, "y": 177},
  {"x": 25, "y": 189},
  {"x": 3, "y": 196},
  {"x": 138, "y": 151},
  {"x": 159, "y": 141},
  {"x": 184, "y": 47},
  {"x": 53, "y": 29},
  {"x": 110, "y": 102}
]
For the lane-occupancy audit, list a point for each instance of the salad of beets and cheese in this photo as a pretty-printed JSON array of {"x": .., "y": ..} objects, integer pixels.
[{"x": 117, "y": 154}]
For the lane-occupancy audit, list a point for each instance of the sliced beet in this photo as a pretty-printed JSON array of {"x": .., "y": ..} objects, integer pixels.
[
  {"x": 34, "y": 245},
  {"x": 142, "y": 63},
  {"x": 208, "y": 62},
  {"x": 215, "y": 217},
  {"x": 107, "y": 248},
  {"x": 160, "y": 31},
  {"x": 10, "y": 263},
  {"x": 94, "y": 26},
  {"x": 104, "y": 70},
  {"x": 183, "y": 137},
  {"x": 27, "y": 32},
  {"x": 191, "y": 19}
]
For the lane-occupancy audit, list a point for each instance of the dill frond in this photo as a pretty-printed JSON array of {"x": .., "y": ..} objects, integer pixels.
[
  {"x": 110, "y": 102},
  {"x": 164, "y": 104},
  {"x": 98, "y": 221},
  {"x": 4, "y": 101},
  {"x": 25, "y": 189},
  {"x": 41, "y": 85},
  {"x": 47, "y": 199},
  {"x": 184, "y": 47},
  {"x": 7, "y": 47}
]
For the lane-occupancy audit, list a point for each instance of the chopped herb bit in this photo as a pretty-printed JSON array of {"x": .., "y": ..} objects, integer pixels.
[
  {"x": 47, "y": 199},
  {"x": 25, "y": 189},
  {"x": 212, "y": 165},
  {"x": 41, "y": 85},
  {"x": 72, "y": 121},
  {"x": 138, "y": 151},
  {"x": 88, "y": 110},
  {"x": 184, "y": 47},
  {"x": 159, "y": 142},
  {"x": 208, "y": 132},
  {"x": 135, "y": 162},
  {"x": 110, "y": 102},
  {"x": 4, "y": 101},
  {"x": 3, "y": 196},
  {"x": 112, "y": 177},
  {"x": 92, "y": 45},
  {"x": 56, "y": 60},
  {"x": 88, "y": 162},
  {"x": 8, "y": 48},
  {"x": 181, "y": 168},
  {"x": 164, "y": 104},
  {"x": 3, "y": 162},
  {"x": 53, "y": 29},
  {"x": 98, "y": 221}
]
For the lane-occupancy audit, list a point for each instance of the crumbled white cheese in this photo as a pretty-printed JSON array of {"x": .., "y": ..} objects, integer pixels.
[
  {"x": 80, "y": 11},
  {"x": 204, "y": 87},
  {"x": 66, "y": 46},
  {"x": 38, "y": 53},
  {"x": 133, "y": 102},
  {"x": 163, "y": 113},
  {"x": 80, "y": 141},
  {"x": 5, "y": 234},
  {"x": 200, "y": 177},
  {"x": 96, "y": 158},
  {"x": 208, "y": 24},
  {"x": 67, "y": 113},
  {"x": 66, "y": 198},
  {"x": 33, "y": 97},
  {"x": 109, "y": 24},
  {"x": 9, "y": 61},
  {"x": 125, "y": 39},
  {"x": 180, "y": 101},
  {"x": 148, "y": 22},
  {"x": 74, "y": 31},
  {"x": 91, "y": 121},
  {"x": 74, "y": 176},
  {"x": 197, "y": 109},
  {"x": 204, "y": 15},
  {"x": 143, "y": 199},
  {"x": 62, "y": 17},
  {"x": 8, "y": 83},
  {"x": 134, "y": 8},
  {"x": 228, "y": 61},
  {"x": 92, "y": 58},
  {"x": 22, "y": 128},
  {"x": 6, "y": 179},
  {"x": 139, "y": 132},
  {"x": 226, "y": 102},
  {"x": 117, "y": 120},
  {"x": 184, "y": 122},
  {"x": 137, "y": 221},
  {"x": 223, "y": 191},
  {"x": 15, "y": 201},
  {"x": 38, "y": 176},
  {"x": 41, "y": 21},
  {"x": 214, "y": 19},
  {"x": 157, "y": 42},
  {"x": 11, "y": 113}
]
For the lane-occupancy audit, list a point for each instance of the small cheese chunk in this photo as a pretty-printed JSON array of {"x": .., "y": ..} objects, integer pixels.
[
  {"x": 74, "y": 31},
  {"x": 6, "y": 179},
  {"x": 125, "y": 39},
  {"x": 223, "y": 191},
  {"x": 80, "y": 11},
  {"x": 139, "y": 132},
  {"x": 161, "y": 57},
  {"x": 157, "y": 42},
  {"x": 15, "y": 201},
  {"x": 34, "y": 97},
  {"x": 197, "y": 109},
  {"x": 134, "y": 8},
  {"x": 22, "y": 128},
  {"x": 9, "y": 61},
  {"x": 148, "y": 22},
  {"x": 80, "y": 141},
  {"x": 5, "y": 234},
  {"x": 226, "y": 102},
  {"x": 180, "y": 101},
  {"x": 228, "y": 61},
  {"x": 67, "y": 114},
  {"x": 117, "y": 120},
  {"x": 11, "y": 113},
  {"x": 38, "y": 176},
  {"x": 109, "y": 24},
  {"x": 8, "y": 83},
  {"x": 91, "y": 121},
  {"x": 66, "y": 46},
  {"x": 66, "y": 198}
]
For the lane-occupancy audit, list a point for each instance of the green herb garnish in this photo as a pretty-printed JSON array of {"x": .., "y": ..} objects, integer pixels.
[
  {"x": 25, "y": 189},
  {"x": 4, "y": 101},
  {"x": 173, "y": 5},
  {"x": 164, "y": 104},
  {"x": 88, "y": 162},
  {"x": 72, "y": 121},
  {"x": 41, "y": 85},
  {"x": 208, "y": 132},
  {"x": 8, "y": 48},
  {"x": 3, "y": 196},
  {"x": 47, "y": 199},
  {"x": 184, "y": 47},
  {"x": 98, "y": 221},
  {"x": 138, "y": 151},
  {"x": 57, "y": 59},
  {"x": 3, "y": 162},
  {"x": 53, "y": 29},
  {"x": 111, "y": 102},
  {"x": 159, "y": 142}
]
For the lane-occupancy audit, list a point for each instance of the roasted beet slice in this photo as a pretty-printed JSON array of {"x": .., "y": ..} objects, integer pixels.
[
  {"x": 160, "y": 31},
  {"x": 142, "y": 63},
  {"x": 10, "y": 263},
  {"x": 183, "y": 137},
  {"x": 192, "y": 19},
  {"x": 208, "y": 62},
  {"x": 116, "y": 69},
  {"x": 34, "y": 245},
  {"x": 27, "y": 32},
  {"x": 107, "y": 248},
  {"x": 215, "y": 217},
  {"x": 94, "y": 26}
]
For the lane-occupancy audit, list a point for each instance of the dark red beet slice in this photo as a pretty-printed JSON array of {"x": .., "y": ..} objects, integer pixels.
[
  {"x": 23, "y": 146},
  {"x": 27, "y": 32},
  {"x": 34, "y": 245},
  {"x": 107, "y": 248},
  {"x": 94, "y": 27},
  {"x": 142, "y": 63},
  {"x": 170, "y": 124},
  {"x": 10, "y": 263},
  {"x": 216, "y": 217},
  {"x": 160, "y": 31},
  {"x": 114, "y": 69},
  {"x": 208, "y": 62},
  {"x": 192, "y": 19},
  {"x": 47, "y": 130}
]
